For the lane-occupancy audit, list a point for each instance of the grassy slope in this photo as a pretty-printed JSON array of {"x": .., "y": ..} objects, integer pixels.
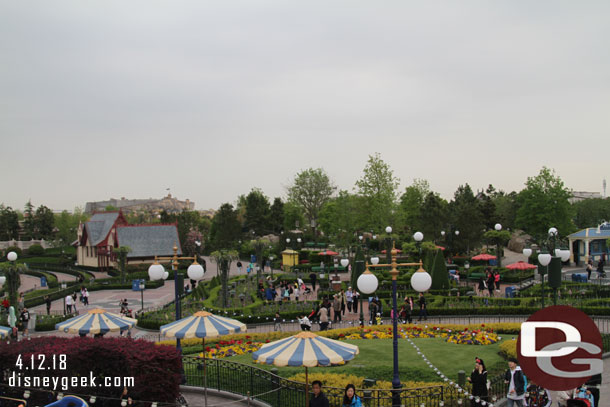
[{"x": 375, "y": 359}]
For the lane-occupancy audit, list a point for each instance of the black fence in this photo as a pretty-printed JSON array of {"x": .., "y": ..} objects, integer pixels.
[{"x": 269, "y": 388}]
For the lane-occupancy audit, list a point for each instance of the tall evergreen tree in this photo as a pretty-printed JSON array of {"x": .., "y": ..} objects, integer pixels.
[
  {"x": 225, "y": 230},
  {"x": 467, "y": 218},
  {"x": 440, "y": 276},
  {"x": 276, "y": 216},
  {"x": 257, "y": 212}
]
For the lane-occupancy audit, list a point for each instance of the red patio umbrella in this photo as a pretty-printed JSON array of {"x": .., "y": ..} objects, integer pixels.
[
  {"x": 520, "y": 265},
  {"x": 440, "y": 247},
  {"x": 328, "y": 253},
  {"x": 484, "y": 256}
]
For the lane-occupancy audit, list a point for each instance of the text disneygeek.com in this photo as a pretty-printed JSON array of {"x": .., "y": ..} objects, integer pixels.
[{"x": 64, "y": 382}]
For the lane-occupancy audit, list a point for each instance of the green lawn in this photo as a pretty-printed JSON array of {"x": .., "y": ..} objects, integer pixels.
[{"x": 375, "y": 359}]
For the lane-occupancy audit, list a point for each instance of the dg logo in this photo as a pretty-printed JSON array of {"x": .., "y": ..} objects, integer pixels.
[{"x": 560, "y": 348}]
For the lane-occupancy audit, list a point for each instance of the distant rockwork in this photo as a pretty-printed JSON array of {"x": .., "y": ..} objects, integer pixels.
[{"x": 168, "y": 204}]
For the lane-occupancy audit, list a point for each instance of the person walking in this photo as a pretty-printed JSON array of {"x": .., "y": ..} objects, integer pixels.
[
  {"x": 313, "y": 277},
  {"x": 20, "y": 303},
  {"x": 481, "y": 287},
  {"x": 277, "y": 322},
  {"x": 319, "y": 398},
  {"x": 423, "y": 312},
  {"x": 48, "y": 301},
  {"x": 323, "y": 314},
  {"x": 85, "y": 296},
  {"x": 69, "y": 304},
  {"x": 343, "y": 301},
  {"x": 497, "y": 280},
  {"x": 516, "y": 384},
  {"x": 491, "y": 283},
  {"x": 24, "y": 318},
  {"x": 355, "y": 298},
  {"x": 372, "y": 312},
  {"x": 478, "y": 378},
  {"x": 410, "y": 304},
  {"x": 349, "y": 296},
  {"x": 74, "y": 297},
  {"x": 239, "y": 267},
  {"x": 337, "y": 309},
  {"x": 589, "y": 269},
  {"x": 350, "y": 399}
]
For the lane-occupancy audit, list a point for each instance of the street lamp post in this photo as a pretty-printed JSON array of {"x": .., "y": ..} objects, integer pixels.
[
  {"x": 367, "y": 284},
  {"x": 142, "y": 287},
  {"x": 63, "y": 287},
  {"x": 498, "y": 227},
  {"x": 420, "y": 281},
  {"x": 157, "y": 272}
]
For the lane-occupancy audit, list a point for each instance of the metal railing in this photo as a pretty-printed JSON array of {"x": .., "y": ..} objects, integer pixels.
[{"x": 276, "y": 391}]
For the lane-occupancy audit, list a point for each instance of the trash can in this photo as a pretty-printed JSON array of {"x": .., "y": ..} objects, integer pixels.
[
  {"x": 336, "y": 283},
  {"x": 510, "y": 292},
  {"x": 43, "y": 281},
  {"x": 135, "y": 285}
]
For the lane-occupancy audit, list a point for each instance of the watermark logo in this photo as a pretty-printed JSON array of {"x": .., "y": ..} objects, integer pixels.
[{"x": 560, "y": 348}]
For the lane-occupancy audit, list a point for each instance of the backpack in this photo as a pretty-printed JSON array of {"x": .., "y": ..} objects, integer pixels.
[{"x": 524, "y": 381}]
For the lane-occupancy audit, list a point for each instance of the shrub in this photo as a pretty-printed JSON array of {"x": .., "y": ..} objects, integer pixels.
[
  {"x": 155, "y": 369},
  {"x": 35, "y": 250},
  {"x": 508, "y": 349}
]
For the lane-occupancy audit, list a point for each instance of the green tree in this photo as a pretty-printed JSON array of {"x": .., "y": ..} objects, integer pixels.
[
  {"x": 226, "y": 229},
  {"x": 276, "y": 216},
  {"x": 67, "y": 226},
  {"x": 378, "y": 186},
  {"x": 121, "y": 254},
  {"x": 310, "y": 190},
  {"x": 411, "y": 205},
  {"x": 467, "y": 218},
  {"x": 257, "y": 212},
  {"x": 498, "y": 239},
  {"x": 506, "y": 208},
  {"x": 591, "y": 212},
  {"x": 293, "y": 213},
  {"x": 434, "y": 216},
  {"x": 342, "y": 216},
  {"x": 9, "y": 223},
  {"x": 13, "y": 279},
  {"x": 440, "y": 276},
  {"x": 487, "y": 207},
  {"x": 28, "y": 220},
  {"x": 543, "y": 203},
  {"x": 44, "y": 223}
]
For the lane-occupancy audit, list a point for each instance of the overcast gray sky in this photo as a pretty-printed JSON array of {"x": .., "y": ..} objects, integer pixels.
[{"x": 126, "y": 98}]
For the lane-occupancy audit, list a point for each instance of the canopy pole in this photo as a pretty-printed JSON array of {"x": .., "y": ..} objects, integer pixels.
[
  {"x": 205, "y": 374},
  {"x": 306, "y": 388}
]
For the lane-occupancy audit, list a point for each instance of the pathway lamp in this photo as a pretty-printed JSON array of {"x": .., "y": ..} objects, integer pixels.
[
  {"x": 420, "y": 281},
  {"x": 157, "y": 272},
  {"x": 142, "y": 287}
]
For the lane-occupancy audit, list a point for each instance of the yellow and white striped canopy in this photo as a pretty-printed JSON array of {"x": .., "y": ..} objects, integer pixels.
[
  {"x": 202, "y": 324},
  {"x": 4, "y": 332},
  {"x": 96, "y": 321},
  {"x": 305, "y": 349}
]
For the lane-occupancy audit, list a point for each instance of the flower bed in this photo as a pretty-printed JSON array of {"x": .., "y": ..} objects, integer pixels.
[
  {"x": 462, "y": 336},
  {"x": 225, "y": 349}
]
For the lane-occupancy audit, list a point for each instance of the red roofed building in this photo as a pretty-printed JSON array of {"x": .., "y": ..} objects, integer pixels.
[{"x": 108, "y": 230}]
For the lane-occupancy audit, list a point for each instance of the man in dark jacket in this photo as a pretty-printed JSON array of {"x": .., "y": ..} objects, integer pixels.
[
  {"x": 516, "y": 384},
  {"x": 313, "y": 277},
  {"x": 318, "y": 399}
]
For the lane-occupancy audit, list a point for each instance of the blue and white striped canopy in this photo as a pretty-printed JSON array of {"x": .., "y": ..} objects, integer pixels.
[
  {"x": 202, "y": 324},
  {"x": 96, "y": 321},
  {"x": 4, "y": 332},
  {"x": 305, "y": 349}
]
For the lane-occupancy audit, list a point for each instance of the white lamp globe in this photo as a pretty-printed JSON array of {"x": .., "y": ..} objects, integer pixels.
[
  {"x": 344, "y": 262},
  {"x": 288, "y": 240},
  {"x": 374, "y": 237},
  {"x": 195, "y": 271},
  {"x": 442, "y": 233},
  {"x": 299, "y": 240},
  {"x": 165, "y": 275},
  {"x": 557, "y": 252},
  {"x": 418, "y": 236},
  {"x": 457, "y": 232},
  {"x": 374, "y": 260},
  {"x": 11, "y": 256},
  {"x": 360, "y": 237},
  {"x": 388, "y": 230},
  {"x": 527, "y": 252},
  {"x": 544, "y": 259},
  {"x": 155, "y": 272},
  {"x": 421, "y": 281},
  {"x": 367, "y": 283},
  {"x": 565, "y": 255},
  {"x": 2, "y": 280},
  {"x": 498, "y": 227},
  {"x": 553, "y": 232}
]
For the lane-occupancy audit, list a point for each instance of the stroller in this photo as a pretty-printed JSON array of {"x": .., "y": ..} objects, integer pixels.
[{"x": 125, "y": 311}]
